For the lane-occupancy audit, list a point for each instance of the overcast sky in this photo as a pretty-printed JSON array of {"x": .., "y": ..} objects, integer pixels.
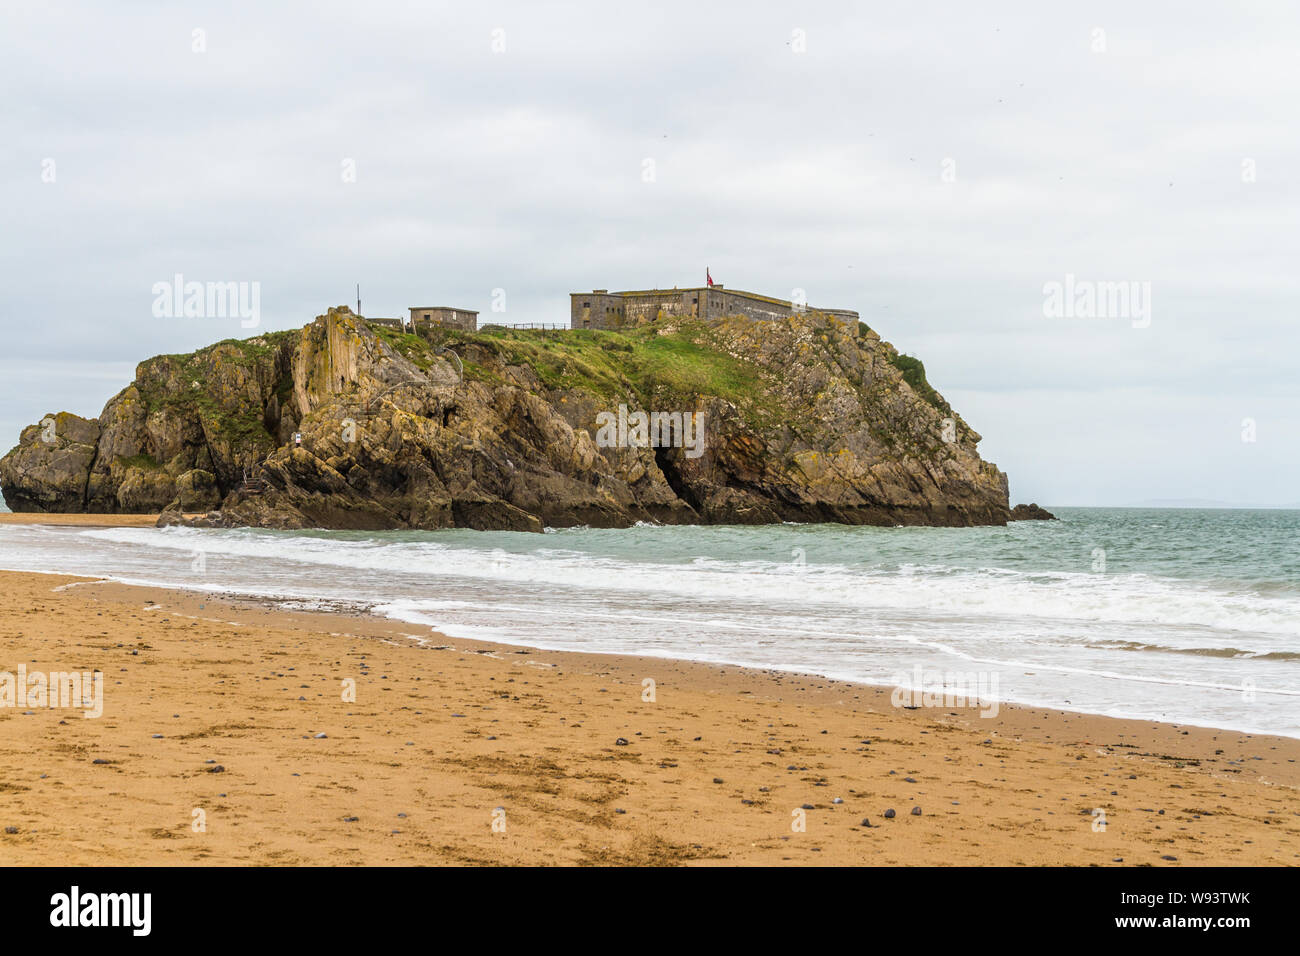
[{"x": 932, "y": 166}]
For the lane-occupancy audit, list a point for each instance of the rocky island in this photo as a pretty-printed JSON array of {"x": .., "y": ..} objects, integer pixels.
[{"x": 349, "y": 424}]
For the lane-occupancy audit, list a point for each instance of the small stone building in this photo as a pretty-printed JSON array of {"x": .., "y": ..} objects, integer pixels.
[{"x": 425, "y": 316}]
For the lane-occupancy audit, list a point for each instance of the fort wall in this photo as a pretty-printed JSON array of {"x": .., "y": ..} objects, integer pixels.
[{"x": 601, "y": 309}]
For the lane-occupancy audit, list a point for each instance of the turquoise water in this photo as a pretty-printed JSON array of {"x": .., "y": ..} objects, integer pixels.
[{"x": 1184, "y": 615}]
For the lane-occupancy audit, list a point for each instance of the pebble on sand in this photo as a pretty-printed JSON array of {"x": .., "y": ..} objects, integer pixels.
[{"x": 889, "y": 814}]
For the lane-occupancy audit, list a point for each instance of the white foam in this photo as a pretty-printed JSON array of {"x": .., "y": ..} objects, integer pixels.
[
  {"x": 937, "y": 590},
  {"x": 1058, "y": 638}
]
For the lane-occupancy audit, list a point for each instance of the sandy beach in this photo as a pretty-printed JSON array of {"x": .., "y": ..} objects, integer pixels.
[
  {"x": 79, "y": 520},
  {"x": 226, "y": 739}
]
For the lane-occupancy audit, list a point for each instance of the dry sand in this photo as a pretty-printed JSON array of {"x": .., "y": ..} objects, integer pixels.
[{"x": 443, "y": 733}]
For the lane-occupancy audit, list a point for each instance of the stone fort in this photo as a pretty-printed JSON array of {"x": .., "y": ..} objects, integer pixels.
[{"x": 602, "y": 309}]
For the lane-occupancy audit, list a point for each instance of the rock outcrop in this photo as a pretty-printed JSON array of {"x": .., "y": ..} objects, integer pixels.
[
  {"x": 1030, "y": 512},
  {"x": 50, "y": 468},
  {"x": 341, "y": 425}
]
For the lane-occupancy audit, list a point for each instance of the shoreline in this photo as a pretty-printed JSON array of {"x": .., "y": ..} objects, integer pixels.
[
  {"x": 78, "y": 520},
  {"x": 504, "y": 640},
  {"x": 1018, "y": 788},
  {"x": 367, "y": 610}
]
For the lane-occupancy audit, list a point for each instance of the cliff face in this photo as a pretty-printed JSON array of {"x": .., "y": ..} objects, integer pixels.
[{"x": 801, "y": 419}]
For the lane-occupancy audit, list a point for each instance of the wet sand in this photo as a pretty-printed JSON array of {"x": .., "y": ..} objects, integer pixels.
[
  {"x": 447, "y": 737},
  {"x": 78, "y": 520}
]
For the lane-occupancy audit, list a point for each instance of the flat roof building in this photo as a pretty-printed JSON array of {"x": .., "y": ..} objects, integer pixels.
[
  {"x": 602, "y": 309},
  {"x": 424, "y": 316}
]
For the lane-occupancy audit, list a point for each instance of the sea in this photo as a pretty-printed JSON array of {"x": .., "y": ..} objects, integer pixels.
[{"x": 1183, "y": 615}]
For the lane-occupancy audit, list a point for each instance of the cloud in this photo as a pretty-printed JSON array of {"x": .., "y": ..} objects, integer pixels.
[{"x": 822, "y": 170}]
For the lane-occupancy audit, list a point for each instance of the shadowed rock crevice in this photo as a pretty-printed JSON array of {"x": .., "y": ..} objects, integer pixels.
[{"x": 664, "y": 460}]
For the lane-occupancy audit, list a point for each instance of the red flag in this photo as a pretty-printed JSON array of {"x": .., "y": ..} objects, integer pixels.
[{"x": 708, "y": 277}]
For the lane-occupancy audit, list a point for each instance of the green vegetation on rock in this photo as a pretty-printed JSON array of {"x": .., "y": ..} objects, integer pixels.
[
  {"x": 643, "y": 363},
  {"x": 913, "y": 370},
  {"x": 146, "y": 462}
]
